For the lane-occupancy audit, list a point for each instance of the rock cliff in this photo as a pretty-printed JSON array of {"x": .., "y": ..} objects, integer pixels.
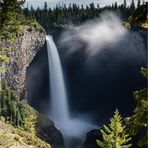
[{"x": 23, "y": 50}]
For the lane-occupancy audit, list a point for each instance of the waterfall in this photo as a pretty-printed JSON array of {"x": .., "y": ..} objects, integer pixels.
[
  {"x": 59, "y": 106},
  {"x": 59, "y": 113}
]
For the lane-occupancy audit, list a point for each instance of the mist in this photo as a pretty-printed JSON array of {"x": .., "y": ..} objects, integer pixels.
[
  {"x": 96, "y": 34},
  {"x": 96, "y": 56},
  {"x": 101, "y": 35}
]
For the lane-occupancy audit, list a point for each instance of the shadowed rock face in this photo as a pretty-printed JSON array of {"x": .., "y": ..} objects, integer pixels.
[
  {"x": 46, "y": 130},
  {"x": 23, "y": 50},
  {"x": 91, "y": 137}
]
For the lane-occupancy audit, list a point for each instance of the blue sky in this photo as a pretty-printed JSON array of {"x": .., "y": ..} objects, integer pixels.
[{"x": 52, "y": 3}]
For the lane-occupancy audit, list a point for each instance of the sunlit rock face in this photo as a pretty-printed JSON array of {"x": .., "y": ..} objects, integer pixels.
[{"x": 23, "y": 50}]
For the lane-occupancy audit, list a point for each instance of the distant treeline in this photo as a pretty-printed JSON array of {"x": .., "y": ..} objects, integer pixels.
[{"x": 62, "y": 15}]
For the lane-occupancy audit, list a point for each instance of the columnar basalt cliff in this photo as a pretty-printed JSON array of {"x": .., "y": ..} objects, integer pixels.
[{"x": 23, "y": 50}]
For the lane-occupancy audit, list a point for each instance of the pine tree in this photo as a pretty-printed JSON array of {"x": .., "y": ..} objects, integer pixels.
[
  {"x": 132, "y": 6},
  {"x": 116, "y": 5},
  {"x": 17, "y": 120},
  {"x": 114, "y": 136},
  {"x": 12, "y": 109},
  {"x": 139, "y": 3},
  {"x": 9, "y": 7},
  {"x": 45, "y": 8},
  {"x": 4, "y": 109},
  {"x": 125, "y": 4},
  {"x": 75, "y": 14},
  {"x": 139, "y": 120}
]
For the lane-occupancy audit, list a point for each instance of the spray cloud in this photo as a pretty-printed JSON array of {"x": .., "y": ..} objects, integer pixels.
[{"x": 95, "y": 34}]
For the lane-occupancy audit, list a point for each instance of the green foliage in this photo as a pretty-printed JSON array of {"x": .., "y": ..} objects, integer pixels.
[
  {"x": 2, "y": 69},
  {"x": 5, "y": 141},
  {"x": 144, "y": 72},
  {"x": 21, "y": 116},
  {"x": 33, "y": 24},
  {"x": 139, "y": 120},
  {"x": 9, "y": 7},
  {"x": 28, "y": 131},
  {"x": 4, "y": 58},
  {"x": 10, "y": 18},
  {"x": 11, "y": 21},
  {"x": 139, "y": 16},
  {"x": 63, "y": 15},
  {"x": 30, "y": 124},
  {"x": 114, "y": 135},
  {"x": 11, "y": 108},
  {"x": 11, "y": 136}
]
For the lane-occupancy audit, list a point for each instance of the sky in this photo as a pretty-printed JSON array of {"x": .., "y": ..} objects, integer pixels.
[{"x": 52, "y": 3}]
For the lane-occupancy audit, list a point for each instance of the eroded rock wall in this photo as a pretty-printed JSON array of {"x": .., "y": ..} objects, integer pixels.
[{"x": 23, "y": 50}]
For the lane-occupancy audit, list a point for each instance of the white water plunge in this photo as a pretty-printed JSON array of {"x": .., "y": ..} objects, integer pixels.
[
  {"x": 59, "y": 106},
  {"x": 59, "y": 112}
]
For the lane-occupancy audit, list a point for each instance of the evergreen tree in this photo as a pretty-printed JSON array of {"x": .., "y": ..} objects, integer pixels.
[
  {"x": 18, "y": 118},
  {"x": 4, "y": 112},
  {"x": 139, "y": 3},
  {"x": 139, "y": 120},
  {"x": 9, "y": 8},
  {"x": 11, "y": 108},
  {"x": 32, "y": 13},
  {"x": 61, "y": 15},
  {"x": 45, "y": 10},
  {"x": 132, "y": 6},
  {"x": 45, "y": 6},
  {"x": 125, "y": 4},
  {"x": 14, "y": 109},
  {"x": 114, "y": 136},
  {"x": 116, "y": 5}
]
